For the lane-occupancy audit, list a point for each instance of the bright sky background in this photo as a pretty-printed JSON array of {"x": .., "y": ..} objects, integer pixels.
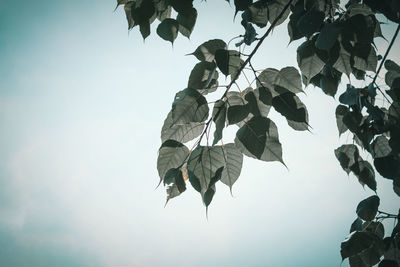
[{"x": 82, "y": 102}]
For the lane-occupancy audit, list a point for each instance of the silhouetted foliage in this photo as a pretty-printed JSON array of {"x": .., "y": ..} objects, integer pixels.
[{"x": 338, "y": 39}]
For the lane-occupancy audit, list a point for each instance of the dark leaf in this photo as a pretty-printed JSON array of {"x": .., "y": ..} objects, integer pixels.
[
  {"x": 351, "y": 97},
  {"x": 309, "y": 62},
  {"x": 368, "y": 208},
  {"x": 381, "y": 147},
  {"x": 258, "y": 138},
  {"x": 357, "y": 243},
  {"x": 228, "y": 61},
  {"x": 237, "y": 113},
  {"x": 168, "y": 30},
  {"x": 375, "y": 228},
  {"x": 328, "y": 36},
  {"x": 204, "y": 77},
  {"x": 310, "y": 22},
  {"x": 356, "y": 225},
  {"x": 219, "y": 117},
  {"x": 388, "y": 167},
  {"x": 187, "y": 22},
  {"x": 347, "y": 155}
]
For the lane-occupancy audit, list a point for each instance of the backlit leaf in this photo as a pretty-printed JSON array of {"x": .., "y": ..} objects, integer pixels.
[{"x": 168, "y": 29}]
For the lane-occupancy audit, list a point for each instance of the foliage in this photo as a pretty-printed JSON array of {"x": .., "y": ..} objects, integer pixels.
[{"x": 338, "y": 39}]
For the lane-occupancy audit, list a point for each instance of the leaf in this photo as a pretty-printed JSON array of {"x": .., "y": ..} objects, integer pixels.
[
  {"x": 203, "y": 164},
  {"x": 340, "y": 112},
  {"x": 328, "y": 36},
  {"x": 347, "y": 155},
  {"x": 330, "y": 79},
  {"x": 288, "y": 78},
  {"x": 388, "y": 263},
  {"x": 375, "y": 228},
  {"x": 356, "y": 225},
  {"x": 183, "y": 7},
  {"x": 189, "y": 106},
  {"x": 175, "y": 183},
  {"x": 209, "y": 194},
  {"x": 207, "y": 50},
  {"x": 181, "y": 132},
  {"x": 357, "y": 242},
  {"x": 381, "y": 147},
  {"x": 342, "y": 64},
  {"x": 187, "y": 22},
  {"x": 171, "y": 154},
  {"x": 310, "y": 22},
  {"x": 393, "y": 72},
  {"x": 258, "y": 138},
  {"x": 367, "y": 65},
  {"x": 351, "y": 97},
  {"x": 291, "y": 107},
  {"x": 228, "y": 61},
  {"x": 168, "y": 29},
  {"x": 241, "y": 5},
  {"x": 263, "y": 12},
  {"x": 309, "y": 62},
  {"x": 219, "y": 117},
  {"x": 233, "y": 164},
  {"x": 388, "y": 167},
  {"x": 204, "y": 77},
  {"x": 365, "y": 173},
  {"x": 237, "y": 113},
  {"x": 368, "y": 208}
]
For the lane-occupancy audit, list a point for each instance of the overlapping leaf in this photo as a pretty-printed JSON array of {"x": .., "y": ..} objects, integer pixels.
[{"x": 171, "y": 154}]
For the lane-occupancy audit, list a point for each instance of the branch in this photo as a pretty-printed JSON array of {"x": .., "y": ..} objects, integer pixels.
[
  {"x": 383, "y": 61},
  {"x": 247, "y": 61}
]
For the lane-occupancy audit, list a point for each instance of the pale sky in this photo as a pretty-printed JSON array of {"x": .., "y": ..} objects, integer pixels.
[{"x": 82, "y": 102}]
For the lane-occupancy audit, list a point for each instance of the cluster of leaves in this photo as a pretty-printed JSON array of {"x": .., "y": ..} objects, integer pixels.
[
  {"x": 143, "y": 13},
  {"x": 376, "y": 130},
  {"x": 338, "y": 40},
  {"x": 257, "y": 136}
]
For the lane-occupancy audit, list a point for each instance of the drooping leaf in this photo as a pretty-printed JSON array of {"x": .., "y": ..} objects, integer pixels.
[
  {"x": 365, "y": 173},
  {"x": 228, "y": 61},
  {"x": 168, "y": 29},
  {"x": 340, "y": 112},
  {"x": 368, "y": 64},
  {"x": 204, "y": 77},
  {"x": 219, "y": 118},
  {"x": 171, "y": 154},
  {"x": 329, "y": 80},
  {"x": 241, "y": 5},
  {"x": 189, "y": 106},
  {"x": 187, "y": 22},
  {"x": 181, "y": 132},
  {"x": 258, "y": 138},
  {"x": 233, "y": 164},
  {"x": 343, "y": 64},
  {"x": 393, "y": 72},
  {"x": 206, "y": 51},
  {"x": 368, "y": 208},
  {"x": 309, "y": 62},
  {"x": 347, "y": 155}
]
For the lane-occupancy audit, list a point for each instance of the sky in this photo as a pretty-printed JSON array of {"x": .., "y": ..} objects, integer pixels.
[{"x": 82, "y": 102}]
